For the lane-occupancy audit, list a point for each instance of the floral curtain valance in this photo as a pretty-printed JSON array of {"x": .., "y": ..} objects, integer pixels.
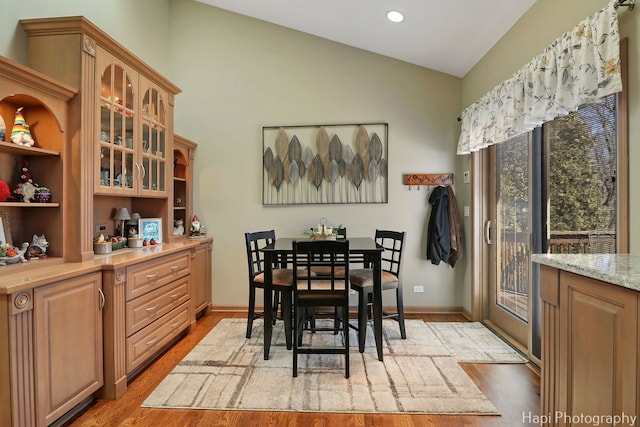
[{"x": 579, "y": 68}]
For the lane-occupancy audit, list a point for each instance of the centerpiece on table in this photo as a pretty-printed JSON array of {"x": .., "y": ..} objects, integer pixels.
[{"x": 322, "y": 231}]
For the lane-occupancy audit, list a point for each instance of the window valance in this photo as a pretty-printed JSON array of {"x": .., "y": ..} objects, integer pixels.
[{"x": 580, "y": 67}]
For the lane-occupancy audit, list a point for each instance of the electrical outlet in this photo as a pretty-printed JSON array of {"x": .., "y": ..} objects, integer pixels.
[
  {"x": 101, "y": 228},
  {"x": 418, "y": 289}
]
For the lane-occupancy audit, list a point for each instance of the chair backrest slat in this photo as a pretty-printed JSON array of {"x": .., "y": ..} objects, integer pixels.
[
  {"x": 393, "y": 243},
  {"x": 255, "y": 242},
  {"x": 330, "y": 254}
]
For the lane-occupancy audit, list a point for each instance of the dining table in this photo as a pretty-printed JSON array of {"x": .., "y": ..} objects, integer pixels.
[{"x": 362, "y": 250}]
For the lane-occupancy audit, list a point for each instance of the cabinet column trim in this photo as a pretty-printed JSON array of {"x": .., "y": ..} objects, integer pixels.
[{"x": 114, "y": 316}]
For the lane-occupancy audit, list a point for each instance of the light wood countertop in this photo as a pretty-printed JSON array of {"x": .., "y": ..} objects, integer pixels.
[{"x": 37, "y": 273}]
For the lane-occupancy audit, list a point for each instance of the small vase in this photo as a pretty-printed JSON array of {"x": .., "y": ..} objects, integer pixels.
[{"x": 42, "y": 196}]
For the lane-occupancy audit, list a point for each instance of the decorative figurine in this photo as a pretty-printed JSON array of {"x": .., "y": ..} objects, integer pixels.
[
  {"x": 10, "y": 255},
  {"x": 194, "y": 230},
  {"x": 26, "y": 189},
  {"x": 38, "y": 247},
  {"x": 20, "y": 133},
  {"x": 178, "y": 229}
]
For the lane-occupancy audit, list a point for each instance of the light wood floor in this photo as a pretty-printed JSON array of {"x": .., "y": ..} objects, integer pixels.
[{"x": 513, "y": 388}]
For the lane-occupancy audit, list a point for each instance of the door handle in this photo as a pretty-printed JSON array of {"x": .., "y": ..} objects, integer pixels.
[{"x": 487, "y": 232}]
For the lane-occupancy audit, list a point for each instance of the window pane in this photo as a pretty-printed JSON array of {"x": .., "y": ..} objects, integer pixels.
[
  {"x": 582, "y": 159},
  {"x": 512, "y": 228}
]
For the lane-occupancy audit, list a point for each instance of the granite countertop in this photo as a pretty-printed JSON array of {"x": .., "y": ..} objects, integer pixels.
[{"x": 618, "y": 269}]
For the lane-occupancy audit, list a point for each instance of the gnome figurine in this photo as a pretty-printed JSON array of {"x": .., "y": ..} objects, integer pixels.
[{"x": 20, "y": 133}]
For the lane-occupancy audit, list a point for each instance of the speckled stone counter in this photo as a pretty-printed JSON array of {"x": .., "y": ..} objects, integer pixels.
[{"x": 618, "y": 269}]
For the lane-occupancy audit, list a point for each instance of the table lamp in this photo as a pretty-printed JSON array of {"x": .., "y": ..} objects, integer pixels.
[{"x": 122, "y": 214}]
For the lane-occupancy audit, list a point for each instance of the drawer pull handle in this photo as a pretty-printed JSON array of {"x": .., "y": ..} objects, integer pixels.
[
  {"x": 153, "y": 341},
  {"x": 174, "y": 296},
  {"x": 152, "y": 308},
  {"x": 175, "y": 325},
  {"x": 152, "y": 276},
  {"x": 102, "y": 299},
  {"x": 175, "y": 267}
]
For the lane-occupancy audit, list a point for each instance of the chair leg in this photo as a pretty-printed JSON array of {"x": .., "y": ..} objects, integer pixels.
[
  {"x": 345, "y": 329},
  {"x": 286, "y": 316},
  {"x": 252, "y": 310},
  {"x": 274, "y": 307},
  {"x": 400, "y": 308},
  {"x": 296, "y": 326},
  {"x": 362, "y": 319},
  {"x": 301, "y": 321}
]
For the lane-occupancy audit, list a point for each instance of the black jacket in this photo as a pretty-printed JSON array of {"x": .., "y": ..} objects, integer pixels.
[{"x": 438, "y": 235}]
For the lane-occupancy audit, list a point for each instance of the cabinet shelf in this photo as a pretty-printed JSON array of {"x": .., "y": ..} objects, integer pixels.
[
  {"x": 178, "y": 179},
  {"x": 178, "y": 208},
  {"x": 23, "y": 150},
  {"x": 28, "y": 205}
]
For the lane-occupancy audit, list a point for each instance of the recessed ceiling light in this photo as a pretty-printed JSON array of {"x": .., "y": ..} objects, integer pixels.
[{"x": 395, "y": 16}]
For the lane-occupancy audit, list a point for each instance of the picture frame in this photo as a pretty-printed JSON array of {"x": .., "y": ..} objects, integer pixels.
[
  {"x": 150, "y": 228},
  {"x": 325, "y": 164},
  {"x": 5, "y": 231}
]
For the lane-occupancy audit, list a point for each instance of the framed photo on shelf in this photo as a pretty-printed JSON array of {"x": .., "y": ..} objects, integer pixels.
[
  {"x": 150, "y": 228},
  {"x": 5, "y": 232}
]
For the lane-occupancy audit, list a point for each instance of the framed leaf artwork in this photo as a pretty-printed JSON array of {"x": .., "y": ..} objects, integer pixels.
[{"x": 324, "y": 164}]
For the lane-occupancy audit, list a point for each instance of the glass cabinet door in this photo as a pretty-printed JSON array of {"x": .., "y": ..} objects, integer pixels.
[
  {"x": 154, "y": 147},
  {"x": 116, "y": 130}
]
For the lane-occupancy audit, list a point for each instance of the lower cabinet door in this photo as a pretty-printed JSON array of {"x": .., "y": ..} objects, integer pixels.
[
  {"x": 67, "y": 344},
  {"x": 598, "y": 349}
]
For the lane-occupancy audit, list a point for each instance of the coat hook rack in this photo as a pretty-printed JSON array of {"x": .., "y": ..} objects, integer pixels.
[{"x": 427, "y": 179}]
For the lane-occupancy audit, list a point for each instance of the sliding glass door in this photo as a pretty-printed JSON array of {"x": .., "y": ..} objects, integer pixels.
[
  {"x": 508, "y": 234},
  {"x": 556, "y": 189}
]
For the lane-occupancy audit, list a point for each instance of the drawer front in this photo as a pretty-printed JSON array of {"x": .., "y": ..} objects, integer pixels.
[
  {"x": 145, "y": 343},
  {"x": 145, "y": 277},
  {"x": 155, "y": 304}
]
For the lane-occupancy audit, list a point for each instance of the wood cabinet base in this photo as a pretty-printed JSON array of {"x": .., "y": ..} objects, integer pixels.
[{"x": 589, "y": 348}]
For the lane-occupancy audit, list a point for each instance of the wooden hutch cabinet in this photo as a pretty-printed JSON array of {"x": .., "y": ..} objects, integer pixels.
[
  {"x": 44, "y": 103},
  {"x": 50, "y": 323},
  {"x": 183, "y": 157},
  {"x": 122, "y": 126},
  {"x": 79, "y": 325}
]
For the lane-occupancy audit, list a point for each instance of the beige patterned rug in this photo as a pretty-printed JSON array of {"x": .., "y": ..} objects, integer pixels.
[
  {"x": 472, "y": 342},
  {"x": 227, "y": 371}
]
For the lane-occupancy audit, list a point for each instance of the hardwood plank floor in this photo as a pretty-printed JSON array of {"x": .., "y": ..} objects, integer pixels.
[{"x": 513, "y": 388}]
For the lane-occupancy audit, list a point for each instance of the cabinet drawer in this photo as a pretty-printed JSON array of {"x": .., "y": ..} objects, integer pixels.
[
  {"x": 145, "y": 343},
  {"x": 153, "y": 305},
  {"x": 142, "y": 278}
]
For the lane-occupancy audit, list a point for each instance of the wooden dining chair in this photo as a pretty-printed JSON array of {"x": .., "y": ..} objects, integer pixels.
[
  {"x": 362, "y": 282},
  {"x": 282, "y": 282},
  {"x": 324, "y": 270},
  {"x": 313, "y": 291}
]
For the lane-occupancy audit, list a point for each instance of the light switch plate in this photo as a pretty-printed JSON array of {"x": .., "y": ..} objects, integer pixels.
[
  {"x": 467, "y": 211},
  {"x": 466, "y": 178}
]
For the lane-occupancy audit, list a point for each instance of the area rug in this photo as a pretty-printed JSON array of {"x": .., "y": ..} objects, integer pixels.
[
  {"x": 472, "y": 342},
  {"x": 227, "y": 371}
]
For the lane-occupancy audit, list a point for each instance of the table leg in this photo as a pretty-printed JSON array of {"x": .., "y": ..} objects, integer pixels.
[
  {"x": 377, "y": 303},
  {"x": 268, "y": 312}
]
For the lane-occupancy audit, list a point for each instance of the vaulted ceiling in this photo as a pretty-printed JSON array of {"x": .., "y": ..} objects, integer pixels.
[{"x": 446, "y": 36}]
